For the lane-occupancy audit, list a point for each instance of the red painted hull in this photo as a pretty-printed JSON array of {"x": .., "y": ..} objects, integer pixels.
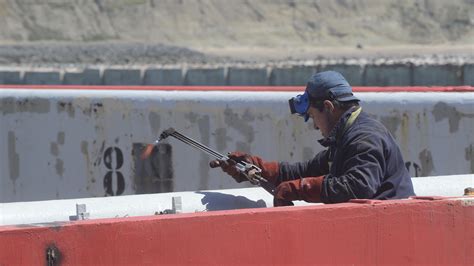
[{"x": 402, "y": 232}]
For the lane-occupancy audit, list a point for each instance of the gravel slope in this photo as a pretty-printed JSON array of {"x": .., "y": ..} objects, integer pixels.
[{"x": 219, "y": 31}]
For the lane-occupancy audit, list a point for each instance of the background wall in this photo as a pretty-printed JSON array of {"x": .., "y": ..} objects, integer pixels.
[
  {"x": 213, "y": 42},
  {"x": 217, "y": 42},
  {"x": 401, "y": 74},
  {"x": 67, "y": 143}
]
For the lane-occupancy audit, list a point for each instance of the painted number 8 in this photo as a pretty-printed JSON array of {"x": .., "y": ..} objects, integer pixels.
[{"x": 113, "y": 160}]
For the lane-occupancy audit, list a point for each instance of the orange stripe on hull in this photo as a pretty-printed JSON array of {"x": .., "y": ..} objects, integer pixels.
[{"x": 235, "y": 88}]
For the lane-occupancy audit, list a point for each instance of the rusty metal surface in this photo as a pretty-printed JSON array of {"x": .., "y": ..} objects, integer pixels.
[{"x": 59, "y": 144}]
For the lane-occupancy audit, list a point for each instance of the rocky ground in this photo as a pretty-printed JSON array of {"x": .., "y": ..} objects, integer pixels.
[
  {"x": 60, "y": 53},
  {"x": 164, "y": 32}
]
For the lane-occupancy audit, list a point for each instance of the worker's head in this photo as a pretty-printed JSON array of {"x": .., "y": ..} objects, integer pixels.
[{"x": 327, "y": 96}]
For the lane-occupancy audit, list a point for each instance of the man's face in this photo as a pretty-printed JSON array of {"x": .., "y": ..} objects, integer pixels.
[{"x": 321, "y": 120}]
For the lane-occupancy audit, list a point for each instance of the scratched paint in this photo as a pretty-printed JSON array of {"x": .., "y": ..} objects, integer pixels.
[
  {"x": 55, "y": 145},
  {"x": 59, "y": 166},
  {"x": 241, "y": 125},
  {"x": 392, "y": 122},
  {"x": 13, "y": 158},
  {"x": 441, "y": 111},
  {"x": 469, "y": 155},
  {"x": 221, "y": 139},
  {"x": 426, "y": 160},
  {"x": 68, "y": 145},
  {"x": 87, "y": 163},
  {"x": 12, "y": 105},
  {"x": 61, "y": 137},
  {"x": 54, "y": 149},
  {"x": 66, "y": 107},
  {"x": 404, "y": 137},
  {"x": 155, "y": 123},
  {"x": 204, "y": 127}
]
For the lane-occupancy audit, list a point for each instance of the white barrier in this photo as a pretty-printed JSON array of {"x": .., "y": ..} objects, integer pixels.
[
  {"x": 58, "y": 144},
  {"x": 185, "y": 202}
]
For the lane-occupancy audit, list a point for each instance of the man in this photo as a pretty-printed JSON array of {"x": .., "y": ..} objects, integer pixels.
[{"x": 362, "y": 159}]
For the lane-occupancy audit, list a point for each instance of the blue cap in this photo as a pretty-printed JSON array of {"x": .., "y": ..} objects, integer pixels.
[{"x": 329, "y": 85}]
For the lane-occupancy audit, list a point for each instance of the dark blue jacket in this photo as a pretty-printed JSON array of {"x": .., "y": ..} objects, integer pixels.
[{"x": 362, "y": 161}]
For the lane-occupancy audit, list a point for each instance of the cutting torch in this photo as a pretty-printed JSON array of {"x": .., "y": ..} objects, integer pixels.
[{"x": 249, "y": 170}]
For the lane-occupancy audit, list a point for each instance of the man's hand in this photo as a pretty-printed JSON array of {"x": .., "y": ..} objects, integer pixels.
[
  {"x": 228, "y": 166},
  {"x": 270, "y": 170},
  {"x": 307, "y": 189}
]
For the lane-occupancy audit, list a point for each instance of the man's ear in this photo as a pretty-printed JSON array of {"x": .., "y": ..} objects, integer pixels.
[{"x": 328, "y": 106}]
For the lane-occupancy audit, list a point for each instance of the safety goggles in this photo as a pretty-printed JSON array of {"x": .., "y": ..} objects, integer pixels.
[{"x": 300, "y": 105}]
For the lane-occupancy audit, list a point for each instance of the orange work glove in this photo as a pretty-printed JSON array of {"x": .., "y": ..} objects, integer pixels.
[
  {"x": 307, "y": 189},
  {"x": 270, "y": 170}
]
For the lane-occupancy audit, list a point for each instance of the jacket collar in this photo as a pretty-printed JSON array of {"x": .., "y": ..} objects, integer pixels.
[{"x": 346, "y": 120}]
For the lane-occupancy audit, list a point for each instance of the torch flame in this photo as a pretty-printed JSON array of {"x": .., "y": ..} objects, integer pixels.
[{"x": 147, "y": 151}]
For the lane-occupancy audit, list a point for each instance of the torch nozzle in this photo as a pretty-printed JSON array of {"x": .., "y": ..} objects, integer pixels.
[{"x": 149, "y": 147}]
